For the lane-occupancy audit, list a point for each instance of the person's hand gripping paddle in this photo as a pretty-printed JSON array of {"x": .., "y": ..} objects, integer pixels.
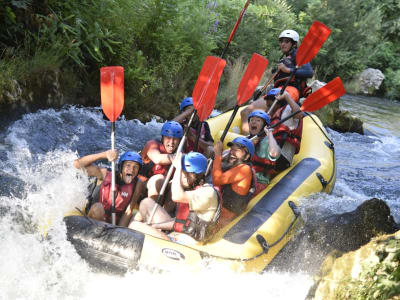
[
  {"x": 204, "y": 95},
  {"x": 112, "y": 102}
]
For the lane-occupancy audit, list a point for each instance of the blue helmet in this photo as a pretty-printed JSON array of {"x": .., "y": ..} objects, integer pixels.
[
  {"x": 172, "y": 129},
  {"x": 245, "y": 142},
  {"x": 131, "y": 156},
  {"x": 194, "y": 162},
  {"x": 261, "y": 114},
  {"x": 273, "y": 93},
  {"x": 185, "y": 102}
]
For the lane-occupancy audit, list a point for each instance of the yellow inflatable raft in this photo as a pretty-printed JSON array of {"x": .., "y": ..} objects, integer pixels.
[{"x": 249, "y": 243}]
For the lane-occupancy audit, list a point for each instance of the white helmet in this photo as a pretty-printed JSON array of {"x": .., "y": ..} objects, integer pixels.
[{"x": 291, "y": 34}]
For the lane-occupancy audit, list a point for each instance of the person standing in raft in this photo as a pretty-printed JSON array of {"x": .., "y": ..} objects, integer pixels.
[
  {"x": 233, "y": 176},
  {"x": 198, "y": 207},
  {"x": 157, "y": 157},
  {"x": 128, "y": 186},
  {"x": 206, "y": 142},
  {"x": 267, "y": 150},
  {"x": 288, "y": 41}
]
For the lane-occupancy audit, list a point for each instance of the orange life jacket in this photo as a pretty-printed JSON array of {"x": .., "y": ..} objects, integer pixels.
[{"x": 234, "y": 202}]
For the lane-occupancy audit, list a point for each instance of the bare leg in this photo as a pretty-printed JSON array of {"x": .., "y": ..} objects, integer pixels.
[
  {"x": 161, "y": 217},
  {"x": 154, "y": 185},
  {"x": 142, "y": 227}
]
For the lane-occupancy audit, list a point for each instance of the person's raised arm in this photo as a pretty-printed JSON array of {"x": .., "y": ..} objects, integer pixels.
[
  {"x": 185, "y": 115},
  {"x": 177, "y": 192},
  {"x": 87, "y": 161},
  {"x": 159, "y": 158},
  {"x": 273, "y": 147},
  {"x": 293, "y": 105}
]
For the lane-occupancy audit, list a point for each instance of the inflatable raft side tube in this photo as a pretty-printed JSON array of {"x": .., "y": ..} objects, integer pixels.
[
  {"x": 270, "y": 202},
  {"x": 104, "y": 246}
]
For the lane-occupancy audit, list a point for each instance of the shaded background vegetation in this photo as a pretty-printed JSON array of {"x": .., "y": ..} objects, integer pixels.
[{"x": 162, "y": 44}]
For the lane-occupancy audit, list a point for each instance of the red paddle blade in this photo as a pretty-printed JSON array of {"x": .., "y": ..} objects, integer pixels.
[
  {"x": 251, "y": 78},
  {"x": 325, "y": 95},
  {"x": 112, "y": 91},
  {"x": 312, "y": 42},
  {"x": 206, "y": 87}
]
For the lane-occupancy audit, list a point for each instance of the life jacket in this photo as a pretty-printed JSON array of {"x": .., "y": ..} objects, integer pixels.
[
  {"x": 190, "y": 144},
  {"x": 299, "y": 83},
  {"x": 283, "y": 134},
  {"x": 122, "y": 197},
  {"x": 233, "y": 201},
  {"x": 262, "y": 165},
  {"x": 187, "y": 221},
  {"x": 149, "y": 168}
]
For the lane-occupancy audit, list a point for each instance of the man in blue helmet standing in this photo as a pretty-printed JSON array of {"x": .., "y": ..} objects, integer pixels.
[
  {"x": 197, "y": 209},
  {"x": 128, "y": 186},
  {"x": 206, "y": 142}
]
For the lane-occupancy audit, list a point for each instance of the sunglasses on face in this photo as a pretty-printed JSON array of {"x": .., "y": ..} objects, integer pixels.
[{"x": 285, "y": 40}]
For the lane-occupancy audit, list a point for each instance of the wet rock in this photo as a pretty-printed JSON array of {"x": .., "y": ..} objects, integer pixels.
[
  {"x": 370, "y": 80},
  {"x": 333, "y": 117},
  {"x": 349, "y": 231},
  {"x": 371, "y": 272}
]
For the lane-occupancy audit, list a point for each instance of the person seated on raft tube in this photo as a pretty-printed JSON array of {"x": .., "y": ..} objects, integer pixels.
[
  {"x": 288, "y": 40},
  {"x": 158, "y": 155},
  {"x": 206, "y": 142},
  {"x": 288, "y": 134},
  {"x": 127, "y": 184},
  {"x": 233, "y": 176},
  {"x": 267, "y": 150},
  {"x": 198, "y": 206}
]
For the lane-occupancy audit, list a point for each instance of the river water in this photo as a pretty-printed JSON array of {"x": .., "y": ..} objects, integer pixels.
[{"x": 38, "y": 185}]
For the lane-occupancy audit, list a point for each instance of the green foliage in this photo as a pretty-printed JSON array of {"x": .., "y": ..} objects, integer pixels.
[
  {"x": 379, "y": 279},
  {"x": 355, "y": 26},
  {"x": 392, "y": 84},
  {"x": 163, "y": 43}
]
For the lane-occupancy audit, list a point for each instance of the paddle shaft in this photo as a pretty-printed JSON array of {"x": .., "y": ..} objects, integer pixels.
[
  {"x": 160, "y": 197},
  {"x": 113, "y": 190},
  {"x": 235, "y": 110},
  {"x": 235, "y": 28}
]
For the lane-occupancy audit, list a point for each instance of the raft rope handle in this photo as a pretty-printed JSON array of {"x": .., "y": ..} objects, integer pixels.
[
  {"x": 260, "y": 239},
  {"x": 332, "y": 146}
]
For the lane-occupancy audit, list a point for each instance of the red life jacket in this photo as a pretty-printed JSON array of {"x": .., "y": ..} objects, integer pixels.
[
  {"x": 123, "y": 196},
  {"x": 190, "y": 144},
  {"x": 234, "y": 202},
  {"x": 149, "y": 167},
  {"x": 283, "y": 134},
  {"x": 188, "y": 222}
]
